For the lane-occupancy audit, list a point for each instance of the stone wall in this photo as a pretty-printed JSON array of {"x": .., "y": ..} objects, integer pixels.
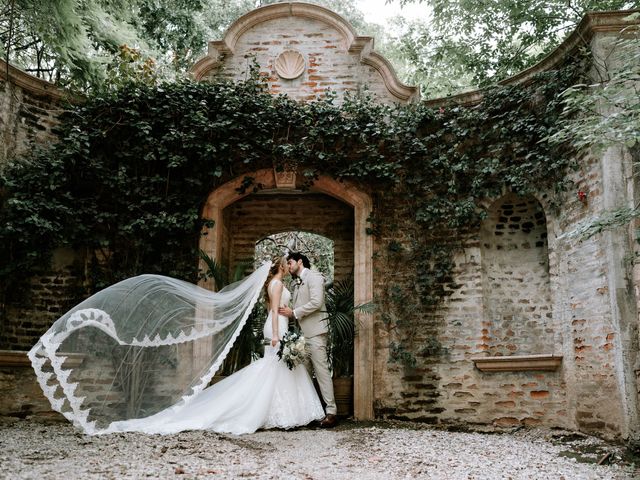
[
  {"x": 582, "y": 305},
  {"x": 29, "y": 111},
  {"x": 50, "y": 295},
  {"x": 20, "y": 393},
  {"x": 29, "y": 114},
  {"x": 517, "y": 295}
]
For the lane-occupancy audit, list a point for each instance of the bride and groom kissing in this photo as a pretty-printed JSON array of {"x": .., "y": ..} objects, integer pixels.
[
  {"x": 309, "y": 312},
  {"x": 265, "y": 394}
]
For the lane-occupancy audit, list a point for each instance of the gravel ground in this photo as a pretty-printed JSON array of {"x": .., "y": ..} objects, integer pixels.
[{"x": 45, "y": 449}]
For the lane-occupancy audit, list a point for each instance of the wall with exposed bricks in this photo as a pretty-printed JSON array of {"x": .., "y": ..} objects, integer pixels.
[
  {"x": 334, "y": 57},
  {"x": 29, "y": 112},
  {"x": 257, "y": 216}
]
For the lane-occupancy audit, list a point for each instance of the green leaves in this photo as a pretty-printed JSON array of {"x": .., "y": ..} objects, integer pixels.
[{"x": 461, "y": 45}]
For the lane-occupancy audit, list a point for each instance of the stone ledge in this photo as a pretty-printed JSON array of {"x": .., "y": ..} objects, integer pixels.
[
  {"x": 518, "y": 363},
  {"x": 18, "y": 358}
]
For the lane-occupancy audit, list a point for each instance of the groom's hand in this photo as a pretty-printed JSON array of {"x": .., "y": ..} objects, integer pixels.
[{"x": 286, "y": 311}]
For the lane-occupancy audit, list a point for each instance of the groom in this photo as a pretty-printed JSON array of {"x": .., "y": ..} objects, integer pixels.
[{"x": 310, "y": 312}]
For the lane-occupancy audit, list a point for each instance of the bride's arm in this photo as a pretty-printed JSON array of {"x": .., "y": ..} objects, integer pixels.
[{"x": 274, "y": 303}]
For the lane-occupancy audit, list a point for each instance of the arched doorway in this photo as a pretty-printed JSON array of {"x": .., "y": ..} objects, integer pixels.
[{"x": 215, "y": 242}]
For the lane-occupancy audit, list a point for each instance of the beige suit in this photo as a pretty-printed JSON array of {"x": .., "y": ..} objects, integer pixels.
[{"x": 310, "y": 311}]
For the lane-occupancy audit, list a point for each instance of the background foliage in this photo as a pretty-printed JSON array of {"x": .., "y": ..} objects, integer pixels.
[{"x": 461, "y": 45}]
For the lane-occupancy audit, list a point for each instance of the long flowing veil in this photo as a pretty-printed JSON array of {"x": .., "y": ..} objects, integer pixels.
[{"x": 139, "y": 347}]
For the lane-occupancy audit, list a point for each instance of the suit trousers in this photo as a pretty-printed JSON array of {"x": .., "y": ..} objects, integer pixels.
[{"x": 318, "y": 353}]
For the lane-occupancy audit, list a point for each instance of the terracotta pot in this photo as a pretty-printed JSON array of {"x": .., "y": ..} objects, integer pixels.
[{"x": 343, "y": 391}]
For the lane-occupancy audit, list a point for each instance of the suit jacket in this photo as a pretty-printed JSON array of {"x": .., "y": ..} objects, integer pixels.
[{"x": 309, "y": 307}]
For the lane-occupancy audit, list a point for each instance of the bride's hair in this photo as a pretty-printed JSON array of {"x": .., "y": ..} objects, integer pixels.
[{"x": 276, "y": 262}]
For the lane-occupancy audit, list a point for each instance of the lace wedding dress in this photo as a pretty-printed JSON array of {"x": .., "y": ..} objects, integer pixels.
[
  {"x": 264, "y": 394},
  {"x": 138, "y": 356}
]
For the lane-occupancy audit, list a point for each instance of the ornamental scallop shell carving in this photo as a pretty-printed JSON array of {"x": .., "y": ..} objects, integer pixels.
[{"x": 289, "y": 64}]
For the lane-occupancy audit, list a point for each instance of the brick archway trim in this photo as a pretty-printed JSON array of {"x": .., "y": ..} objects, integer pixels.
[
  {"x": 361, "y": 45},
  {"x": 211, "y": 243}
]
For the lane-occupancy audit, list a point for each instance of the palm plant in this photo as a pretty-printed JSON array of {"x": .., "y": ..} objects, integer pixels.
[
  {"x": 214, "y": 270},
  {"x": 341, "y": 324}
]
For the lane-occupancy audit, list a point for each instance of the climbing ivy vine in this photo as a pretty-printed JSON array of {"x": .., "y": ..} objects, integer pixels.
[{"x": 133, "y": 166}]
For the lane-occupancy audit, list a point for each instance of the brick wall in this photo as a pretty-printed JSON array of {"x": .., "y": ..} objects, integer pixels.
[
  {"x": 332, "y": 60},
  {"x": 20, "y": 393},
  {"x": 522, "y": 292},
  {"x": 29, "y": 111},
  {"x": 515, "y": 279},
  {"x": 29, "y": 114},
  {"x": 257, "y": 216},
  {"x": 50, "y": 295}
]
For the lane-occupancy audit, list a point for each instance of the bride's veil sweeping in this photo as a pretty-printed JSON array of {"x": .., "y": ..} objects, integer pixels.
[{"x": 144, "y": 345}]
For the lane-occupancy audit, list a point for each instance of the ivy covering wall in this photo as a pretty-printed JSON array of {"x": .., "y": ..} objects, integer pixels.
[{"x": 127, "y": 180}]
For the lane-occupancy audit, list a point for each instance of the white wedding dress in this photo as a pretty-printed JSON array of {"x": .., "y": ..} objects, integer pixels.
[{"x": 265, "y": 394}]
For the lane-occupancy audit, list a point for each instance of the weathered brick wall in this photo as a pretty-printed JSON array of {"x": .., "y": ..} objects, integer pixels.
[
  {"x": 487, "y": 314},
  {"x": 50, "y": 296},
  {"x": 515, "y": 278},
  {"x": 329, "y": 64},
  {"x": 257, "y": 216},
  {"x": 581, "y": 305},
  {"x": 29, "y": 111},
  {"x": 20, "y": 393},
  {"x": 568, "y": 313},
  {"x": 334, "y": 58},
  {"x": 29, "y": 114}
]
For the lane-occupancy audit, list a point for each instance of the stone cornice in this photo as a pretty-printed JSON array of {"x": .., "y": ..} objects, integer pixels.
[
  {"x": 592, "y": 23},
  {"x": 218, "y": 50},
  {"x": 518, "y": 363},
  {"x": 32, "y": 84},
  {"x": 398, "y": 89}
]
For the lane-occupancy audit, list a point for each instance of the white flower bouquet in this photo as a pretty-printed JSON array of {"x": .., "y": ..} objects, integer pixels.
[{"x": 292, "y": 349}]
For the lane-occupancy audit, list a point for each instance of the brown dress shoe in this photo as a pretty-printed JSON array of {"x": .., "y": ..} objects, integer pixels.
[{"x": 329, "y": 421}]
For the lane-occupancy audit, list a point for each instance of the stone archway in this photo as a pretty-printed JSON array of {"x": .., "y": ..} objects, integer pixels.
[{"x": 213, "y": 240}]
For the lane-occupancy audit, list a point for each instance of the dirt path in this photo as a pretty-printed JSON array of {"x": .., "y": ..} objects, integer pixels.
[{"x": 37, "y": 449}]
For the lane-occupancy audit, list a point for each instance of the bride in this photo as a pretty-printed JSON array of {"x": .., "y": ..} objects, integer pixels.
[{"x": 144, "y": 389}]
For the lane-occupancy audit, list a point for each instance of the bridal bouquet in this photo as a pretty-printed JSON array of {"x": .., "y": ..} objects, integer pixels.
[{"x": 292, "y": 349}]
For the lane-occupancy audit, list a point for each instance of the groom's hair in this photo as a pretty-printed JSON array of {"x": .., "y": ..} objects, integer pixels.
[{"x": 295, "y": 256}]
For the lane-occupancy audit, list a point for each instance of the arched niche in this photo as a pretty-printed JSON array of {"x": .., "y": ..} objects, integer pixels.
[
  {"x": 515, "y": 278},
  {"x": 213, "y": 241}
]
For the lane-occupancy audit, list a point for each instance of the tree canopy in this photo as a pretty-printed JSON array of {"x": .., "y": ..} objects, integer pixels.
[{"x": 464, "y": 44}]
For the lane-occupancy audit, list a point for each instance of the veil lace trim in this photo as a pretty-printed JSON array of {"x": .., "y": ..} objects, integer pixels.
[{"x": 46, "y": 349}]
